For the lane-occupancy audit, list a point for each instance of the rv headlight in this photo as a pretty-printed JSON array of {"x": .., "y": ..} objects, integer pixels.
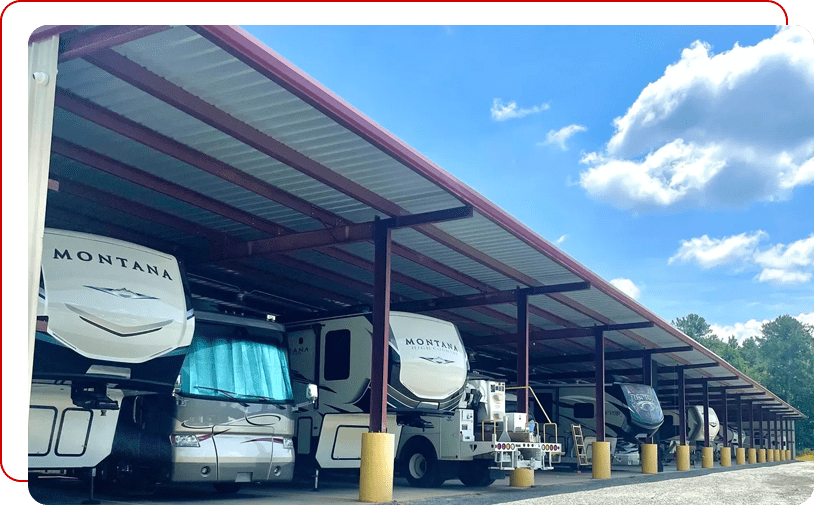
[
  {"x": 184, "y": 441},
  {"x": 288, "y": 443}
]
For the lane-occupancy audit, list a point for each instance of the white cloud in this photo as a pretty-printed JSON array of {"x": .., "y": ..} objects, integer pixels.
[
  {"x": 741, "y": 331},
  {"x": 779, "y": 263},
  {"x": 713, "y": 252},
  {"x": 721, "y": 130},
  {"x": 751, "y": 328},
  {"x": 778, "y": 276},
  {"x": 562, "y": 239},
  {"x": 806, "y": 318},
  {"x": 503, "y": 111},
  {"x": 558, "y": 137},
  {"x": 798, "y": 254},
  {"x": 627, "y": 287}
]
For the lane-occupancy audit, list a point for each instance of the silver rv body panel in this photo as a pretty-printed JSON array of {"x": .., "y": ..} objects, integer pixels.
[
  {"x": 247, "y": 442},
  {"x": 229, "y": 420}
]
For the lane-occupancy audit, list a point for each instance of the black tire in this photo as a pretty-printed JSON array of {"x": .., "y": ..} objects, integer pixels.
[
  {"x": 420, "y": 465},
  {"x": 475, "y": 474},
  {"x": 227, "y": 487},
  {"x": 696, "y": 457}
]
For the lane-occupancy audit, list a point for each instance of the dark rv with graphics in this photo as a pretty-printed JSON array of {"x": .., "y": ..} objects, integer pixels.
[
  {"x": 113, "y": 320},
  {"x": 229, "y": 421},
  {"x": 632, "y": 413},
  {"x": 446, "y": 423}
]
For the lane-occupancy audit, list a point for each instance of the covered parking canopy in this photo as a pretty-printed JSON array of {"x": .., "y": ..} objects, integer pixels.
[{"x": 202, "y": 142}]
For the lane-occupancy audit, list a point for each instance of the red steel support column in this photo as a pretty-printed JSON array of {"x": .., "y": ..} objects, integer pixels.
[
  {"x": 647, "y": 377},
  {"x": 788, "y": 434},
  {"x": 522, "y": 351},
  {"x": 705, "y": 392},
  {"x": 599, "y": 337},
  {"x": 725, "y": 426},
  {"x": 784, "y": 433},
  {"x": 381, "y": 328},
  {"x": 752, "y": 425},
  {"x": 682, "y": 409}
]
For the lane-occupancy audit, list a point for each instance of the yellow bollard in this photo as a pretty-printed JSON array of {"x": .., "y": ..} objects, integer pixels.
[
  {"x": 376, "y": 472},
  {"x": 521, "y": 477},
  {"x": 769, "y": 455},
  {"x": 726, "y": 456},
  {"x": 740, "y": 456},
  {"x": 601, "y": 462},
  {"x": 788, "y": 455},
  {"x": 706, "y": 457},
  {"x": 761, "y": 455},
  {"x": 650, "y": 455},
  {"x": 683, "y": 457},
  {"x": 777, "y": 454},
  {"x": 752, "y": 455}
]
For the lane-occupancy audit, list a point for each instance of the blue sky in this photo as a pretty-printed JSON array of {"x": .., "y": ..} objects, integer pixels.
[{"x": 697, "y": 200}]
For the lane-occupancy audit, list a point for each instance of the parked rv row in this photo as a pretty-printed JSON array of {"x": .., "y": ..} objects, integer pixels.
[{"x": 129, "y": 381}]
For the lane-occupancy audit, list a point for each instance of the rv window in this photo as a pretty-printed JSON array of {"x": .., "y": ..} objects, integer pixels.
[
  {"x": 337, "y": 355},
  {"x": 584, "y": 410},
  {"x": 221, "y": 367}
]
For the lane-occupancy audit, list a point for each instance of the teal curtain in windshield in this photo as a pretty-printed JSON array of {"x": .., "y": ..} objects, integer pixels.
[{"x": 244, "y": 369}]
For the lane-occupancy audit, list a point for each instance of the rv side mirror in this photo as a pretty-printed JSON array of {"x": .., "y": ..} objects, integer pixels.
[{"x": 312, "y": 393}]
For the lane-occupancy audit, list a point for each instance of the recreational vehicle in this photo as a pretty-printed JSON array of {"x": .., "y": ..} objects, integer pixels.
[
  {"x": 765, "y": 437},
  {"x": 669, "y": 433},
  {"x": 113, "y": 320},
  {"x": 229, "y": 420},
  {"x": 632, "y": 413},
  {"x": 446, "y": 423}
]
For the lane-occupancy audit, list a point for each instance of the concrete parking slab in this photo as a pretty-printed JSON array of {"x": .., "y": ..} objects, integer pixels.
[{"x": 343, "y": 488}]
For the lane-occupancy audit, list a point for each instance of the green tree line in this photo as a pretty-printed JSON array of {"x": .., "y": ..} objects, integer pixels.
[{"x": 781, "y": 358}]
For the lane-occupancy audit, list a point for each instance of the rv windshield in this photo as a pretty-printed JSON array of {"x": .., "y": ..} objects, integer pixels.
[{"x": 248, "y": 370}]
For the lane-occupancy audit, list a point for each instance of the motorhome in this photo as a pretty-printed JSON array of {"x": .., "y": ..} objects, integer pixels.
[
  {"x": 113, "y": 320},
  {"x": 669, "y": 432},
  {"x": 632, "y": 413},
  {"x": 229, "y": 420},
  {"x": 446, "y": 423}
]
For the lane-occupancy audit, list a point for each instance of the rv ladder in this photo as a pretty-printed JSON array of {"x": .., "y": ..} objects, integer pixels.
[{"x": 579, "y": 445}]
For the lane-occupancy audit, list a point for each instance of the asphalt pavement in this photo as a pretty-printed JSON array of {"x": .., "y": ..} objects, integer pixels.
[{"x": 783, "y": 483}]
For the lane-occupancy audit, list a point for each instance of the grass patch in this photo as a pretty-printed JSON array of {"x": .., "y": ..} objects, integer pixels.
[{"x": 807, "y": 455}]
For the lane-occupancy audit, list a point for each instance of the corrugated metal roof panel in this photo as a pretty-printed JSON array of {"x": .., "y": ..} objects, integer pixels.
[
  {"x": 203, "y": 69},
  {"x": 198, "y": 66}
]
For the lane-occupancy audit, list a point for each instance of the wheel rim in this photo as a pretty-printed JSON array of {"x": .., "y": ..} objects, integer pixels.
[{"x": 417, "y": 466}]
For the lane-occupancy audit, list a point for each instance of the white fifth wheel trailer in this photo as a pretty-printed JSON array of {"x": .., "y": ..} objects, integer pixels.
[
  {"x": 113, "y": 319},
  {"x": 669, "y": 432},
  {"x": 632, "y": 413},
  {"x": 446, "y": 424},
  {"x": 229, "y": 420}
]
